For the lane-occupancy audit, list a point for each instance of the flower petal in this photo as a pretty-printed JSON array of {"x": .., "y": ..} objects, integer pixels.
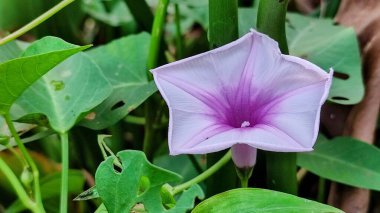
[
  {"x": 213, "y": 77},
  {"x": 210, "y": 70},
  {"x": 247, "y": 83},
  {"x": 297, "y": 113},
  {"x": 188, "y": 129},
  {"x": 261, "y": 136}
]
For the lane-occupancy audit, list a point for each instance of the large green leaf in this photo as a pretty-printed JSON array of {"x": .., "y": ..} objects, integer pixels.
[
  {"x": 345, "y": 160},
  {"x": 123, "y": 62},
  {"x": 325, "y": 44},
  {"x": 248, "y": 200},
  {"x": 138, "y": 182},
  {"x": 18, "y": 74},
  {"x": 73, "y": 87}
]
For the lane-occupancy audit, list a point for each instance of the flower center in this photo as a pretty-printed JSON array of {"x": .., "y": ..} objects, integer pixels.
[{"x": 245, "y": 124}]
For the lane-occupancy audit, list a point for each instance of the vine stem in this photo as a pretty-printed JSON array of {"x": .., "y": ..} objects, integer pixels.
[
  {"x": 281, "y": 167},
  {"x": 141, "y": 12},
  {"x": 65, "y": 171},
  {"x": 135, "y": 120},
  {"x": 157, "y": 31},
  {"x": 244, "y": 182},
  {"x": 321, "y": 190},
  {"x": 37, "y": 21},
  {"x": 210, "y": 171},
  {"x": 30, "y": 162},
  {"x": 223, "y": 29}
]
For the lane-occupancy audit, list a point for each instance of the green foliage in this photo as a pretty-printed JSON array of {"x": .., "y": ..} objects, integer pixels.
[
  {"x": 186, "y": 200},
  {"x": 50, "y": 190},
  {"x": 192, "y": 11},
  {"x": 9, "y": 51},
  {"x": 64, "y": 24},
  {"x": 139, "y": 185},
  {"x": 101, "y": 209},
  {"x": 125, "y": 68},
  {"x": 179, "y": 164},
  {"x": 89, "y": 194},
  {"x": 18, "y": 74},
  {"x": 121, "y": 191},
  {"x": 325, "y": 44},
  {"x": 222, "y": 22},
  {"x": 11, "y": 16},
  {"x": 114, "y": 13},
  {"x": 260, "y": 200},
  {"x": 345, "y": 160},
  {"x": 74, "y": 87}
]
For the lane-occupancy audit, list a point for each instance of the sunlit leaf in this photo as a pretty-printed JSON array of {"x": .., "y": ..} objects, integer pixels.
[
  {"x": 247, "y": 200},
  {"x": 75, "y": 86},
  {"x": 18, "y": 74}
]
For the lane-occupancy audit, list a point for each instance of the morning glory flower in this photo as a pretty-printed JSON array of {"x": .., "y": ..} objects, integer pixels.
[{"x": 245, "y": 95}]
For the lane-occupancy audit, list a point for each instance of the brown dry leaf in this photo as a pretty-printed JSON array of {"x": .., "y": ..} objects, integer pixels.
[{"x": 364, "y": 16}]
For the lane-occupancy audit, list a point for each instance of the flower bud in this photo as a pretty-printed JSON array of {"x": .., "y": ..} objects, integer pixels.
[
  {"x": 26, "y": 177},
  {"x": 244, "y": 156}
]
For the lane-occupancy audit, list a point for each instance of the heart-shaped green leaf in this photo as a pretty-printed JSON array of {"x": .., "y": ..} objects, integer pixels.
[
  {"x": 184, "y": 203},
  {"x": 138, "y": 182},
  {"x": 325, "y": 44},
  {"x": 73, "y": 87},
  {"x": 123, "y": 62},
  {"x": 246, "y": 200},
  {"x": 18, "y": 74},
  {"x": 345, "y": 160}
]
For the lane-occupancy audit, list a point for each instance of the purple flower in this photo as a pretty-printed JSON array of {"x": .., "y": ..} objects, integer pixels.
[{"x": 245, "y": 92}]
